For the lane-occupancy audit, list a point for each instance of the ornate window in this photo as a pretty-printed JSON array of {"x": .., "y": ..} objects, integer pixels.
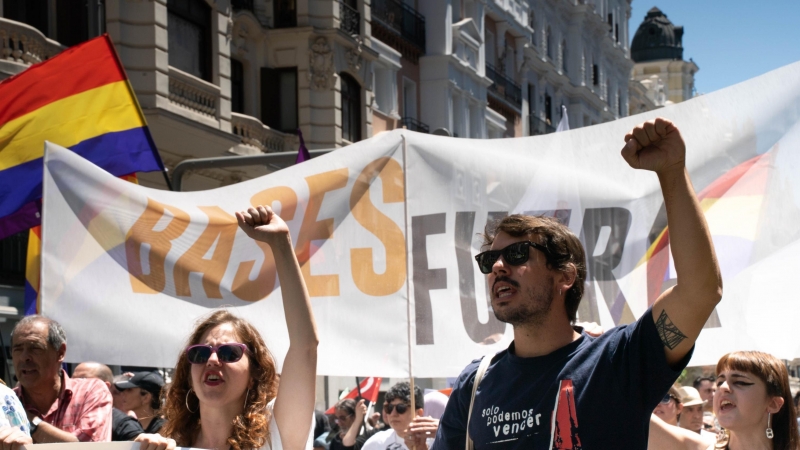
[
  {"x": 351, "y": 108},
  {"x": 548, "y": 39},
  {"x": 189, "y": 30}
]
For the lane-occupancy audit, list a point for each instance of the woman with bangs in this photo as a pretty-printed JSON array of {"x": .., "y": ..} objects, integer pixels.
[
  {"x": 225, "y": 392},
  {"x": 753, "y": 404}
]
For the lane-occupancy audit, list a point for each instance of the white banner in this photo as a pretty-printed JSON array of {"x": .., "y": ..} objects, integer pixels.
[{"x": 128, "y": 270}]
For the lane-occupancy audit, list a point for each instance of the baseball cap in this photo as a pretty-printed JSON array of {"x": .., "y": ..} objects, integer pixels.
[
  {"x": 149, "y": 381},
  {"x": 690, "y": 396}
]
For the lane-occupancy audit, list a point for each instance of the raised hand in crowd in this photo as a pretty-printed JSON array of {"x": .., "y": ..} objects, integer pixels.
[
  {"x": 420, "y": 430},
  {"x": 352, "y": 433},
  {"x": 681, "y": 311},
  {"x": 294, "y": 404}
]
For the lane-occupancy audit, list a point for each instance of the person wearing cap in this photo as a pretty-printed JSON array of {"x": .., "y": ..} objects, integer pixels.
[
  {"x": 142, "y": 395},
  {"x": 691, "y": 417},
  {"x": 59, "y": 408}
]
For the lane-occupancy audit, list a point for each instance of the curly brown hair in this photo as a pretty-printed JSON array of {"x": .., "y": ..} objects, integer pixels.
[{"x": 251, "y": 428}]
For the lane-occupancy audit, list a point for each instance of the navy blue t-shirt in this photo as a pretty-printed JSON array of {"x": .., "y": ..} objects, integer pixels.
[{"x": 596, "y": 393}]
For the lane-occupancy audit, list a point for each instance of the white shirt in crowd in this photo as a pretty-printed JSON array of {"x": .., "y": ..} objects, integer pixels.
[{"x": 387, "y": 440}]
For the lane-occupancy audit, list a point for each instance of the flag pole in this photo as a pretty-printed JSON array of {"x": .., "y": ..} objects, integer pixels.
[
  {"x": 408, "y": 283},
  {"x": 360, "y": 397}
]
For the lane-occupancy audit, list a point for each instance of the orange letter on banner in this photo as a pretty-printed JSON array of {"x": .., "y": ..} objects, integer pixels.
[
  {"x": 311, "y": 229},
  {"x": 221, "y": 229},
  {"x": 382, "y": 227},
  {"x": 142, "y": 232},
  {"x": 254, "y": 290}
]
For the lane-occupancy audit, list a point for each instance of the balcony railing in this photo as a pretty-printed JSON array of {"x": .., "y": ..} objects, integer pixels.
[
  {"x": 193, "y": 93},
  {"x": 539, "y": 126},
  {"x": 24, "y": 45},
  {"x": 414, "y": 125},
  {"x": 400, "y": 19},
  {"x": 349, "y": 19},
  {"x": 258, "y": 135},
  {"x": 504, "y": 87}
]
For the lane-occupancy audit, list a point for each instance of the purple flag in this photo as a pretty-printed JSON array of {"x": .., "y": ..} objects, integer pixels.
[{"x": 302, "y": 152}]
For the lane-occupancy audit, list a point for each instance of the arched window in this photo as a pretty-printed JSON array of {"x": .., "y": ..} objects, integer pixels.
[
  {"x": 351, "y": 108},
  {"x": 189, "y": 36}
]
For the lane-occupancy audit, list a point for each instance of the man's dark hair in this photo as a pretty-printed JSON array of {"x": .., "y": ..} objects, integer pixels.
[
  {"x": 55, "y": 334},
  {"x": 699, "y": 381},
  {"x": 402, "y": 391},
  {"x": 563, "y": 249}
]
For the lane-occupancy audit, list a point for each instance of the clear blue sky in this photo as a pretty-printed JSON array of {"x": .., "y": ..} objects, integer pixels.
[{"x": 731, "y": 41}]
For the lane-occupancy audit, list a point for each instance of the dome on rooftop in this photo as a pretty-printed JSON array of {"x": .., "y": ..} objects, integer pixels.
[{"x": 657, "y": 38}]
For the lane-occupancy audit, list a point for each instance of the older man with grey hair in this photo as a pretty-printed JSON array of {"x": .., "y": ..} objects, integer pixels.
[{"x": 59, "y": 408}]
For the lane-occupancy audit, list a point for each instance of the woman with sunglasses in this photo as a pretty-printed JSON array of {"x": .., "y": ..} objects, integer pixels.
[
  {"x": 225, "y": 392},
  {"x": 670, "y": 407},
  {"x": 753, "y": 404}
]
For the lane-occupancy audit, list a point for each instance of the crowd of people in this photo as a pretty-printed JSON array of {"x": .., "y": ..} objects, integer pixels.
[{"x": 550, "y": 389}]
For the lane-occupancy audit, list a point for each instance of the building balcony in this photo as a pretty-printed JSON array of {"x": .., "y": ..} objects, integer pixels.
[
  {"x": 399, "y": 26},
  {"x": 349, "y": 19},
  {"x": 260, "y": 136},
  {"x": 539, "y": 126},
  {"x": 504, "y": 87},
  {"x": 414, "y": 125},
  {"x": 22, "y": 45},
  {"x": 198, "y": 98}
]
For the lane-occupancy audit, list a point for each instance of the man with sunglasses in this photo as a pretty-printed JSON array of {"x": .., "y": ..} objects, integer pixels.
[
  {"x": 553, "y": 387},
  {"x": 397, "y": 413}
]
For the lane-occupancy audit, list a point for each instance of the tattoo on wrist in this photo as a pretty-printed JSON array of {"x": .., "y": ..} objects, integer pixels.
[{"x": 670, "y": 335}]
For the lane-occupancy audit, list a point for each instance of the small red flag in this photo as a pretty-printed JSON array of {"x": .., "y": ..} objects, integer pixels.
[{"x": 370, "y": 387}]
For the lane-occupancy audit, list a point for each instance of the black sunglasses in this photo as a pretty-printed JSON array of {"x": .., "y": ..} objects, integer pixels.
[
  {"x": 667, "y": 398},
  {"x": 515, "y": 254},
  {"x": 226, "y": 353},
  {"x": 401, "y": 408}
]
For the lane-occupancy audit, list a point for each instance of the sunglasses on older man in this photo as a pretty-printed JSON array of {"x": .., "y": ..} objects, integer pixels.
[
  {"x": 515, "y": 254},
  {"x": 226, "y": 353}
]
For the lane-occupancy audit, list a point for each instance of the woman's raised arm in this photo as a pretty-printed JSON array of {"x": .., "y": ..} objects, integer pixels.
[{"x": 294, "y": 406}]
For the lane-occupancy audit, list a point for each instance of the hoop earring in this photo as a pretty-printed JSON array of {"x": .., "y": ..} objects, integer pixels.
[
  {"x": 244, "y": 407},
  {"x": 187, "y": 402},
  {"x": 770, "y": 434}
]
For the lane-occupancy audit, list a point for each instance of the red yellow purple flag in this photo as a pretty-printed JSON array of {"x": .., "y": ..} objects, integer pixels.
[{"x": 80, "y": 99}]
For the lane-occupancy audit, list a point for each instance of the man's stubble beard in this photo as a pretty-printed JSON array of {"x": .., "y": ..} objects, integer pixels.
[{"x": 534, "y": 310}]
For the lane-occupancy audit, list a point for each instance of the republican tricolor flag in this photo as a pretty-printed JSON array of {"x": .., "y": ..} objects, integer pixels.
[{"x": 80, "y": 99}]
